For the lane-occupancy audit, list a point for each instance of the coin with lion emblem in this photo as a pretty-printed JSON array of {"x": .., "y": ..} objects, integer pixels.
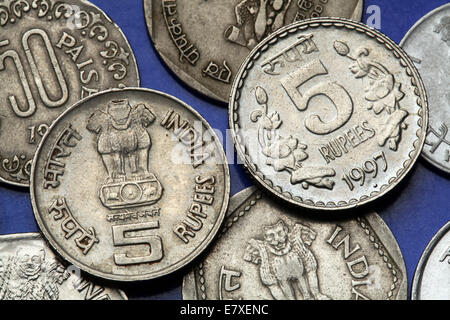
[
  {"x": 130, "y": 184},
  {"x": 267, "y": 251}
]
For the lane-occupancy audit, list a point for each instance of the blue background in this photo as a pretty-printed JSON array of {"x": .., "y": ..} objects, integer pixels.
[{"x": 415, "y": 210}]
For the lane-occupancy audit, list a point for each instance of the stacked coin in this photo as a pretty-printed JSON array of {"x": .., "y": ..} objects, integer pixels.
[
  {"x": 326, "y": 114},
  {"x": 130, "y": 184}
]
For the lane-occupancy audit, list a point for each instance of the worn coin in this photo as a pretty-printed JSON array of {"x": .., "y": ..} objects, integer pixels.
[
  {"x": 130, "y": 184},
  {"x": 432, "y": 277},
  {"x": 205, "y": 42},
  {"x": 328, "y": 114},
  {"x": 30, "y": 271},
  {"x": 428, "y": 43},
  {"x": 267, "y": 251},
  {"x": 52, "y": 54}
]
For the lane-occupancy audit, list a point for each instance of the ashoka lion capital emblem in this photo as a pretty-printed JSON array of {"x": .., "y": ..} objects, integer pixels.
[
  {"x": 124, "y": 144},
  {"x": 30, "y": 275}
]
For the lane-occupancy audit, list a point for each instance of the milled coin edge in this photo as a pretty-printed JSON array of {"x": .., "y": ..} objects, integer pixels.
[
  {"x": 389, "y": 241},
  {"x": 417, "y": 279},
  {"x": 174, "y": 267}
]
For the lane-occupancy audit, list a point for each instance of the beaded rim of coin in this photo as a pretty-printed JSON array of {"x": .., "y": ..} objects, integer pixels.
[
  {"x": 174, "y": 267},
  {"x": 341, "y": 23},
  {"x": 380, "y": 227},
  {"x": 432, "y": 161},
  {"x": 415, "y": 288},
  {"x": 190, "y": 81},
  {"x": 38, "y": 237},
  {"x": 126, "y": 41}
]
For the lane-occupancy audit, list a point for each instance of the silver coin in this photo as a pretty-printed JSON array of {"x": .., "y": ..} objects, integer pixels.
[
  {"x": 30, "y": 271},
  {"x": 130, "y": 184},
  {"x": 205, "y": 42},
  {"x": 428, "y": 43},
  {"x": 267, "y": 251},
  {"x": 52, "y": 54},
  {"x": 431, "y": 280},
  {"x": 328, "y": 114}
]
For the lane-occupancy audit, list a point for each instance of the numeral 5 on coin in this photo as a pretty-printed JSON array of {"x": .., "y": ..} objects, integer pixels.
[
  {"x": 154, "y": 243},
  {"x": 333, "y": 91}
]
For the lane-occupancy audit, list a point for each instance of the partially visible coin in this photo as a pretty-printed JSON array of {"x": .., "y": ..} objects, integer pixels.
[
  {"x": 428, "y": 43},
  {"x": 30, "y": 271},
  {"x": 52, "y": 54},
  {"x": 267, "y": 251},
  {"x": 205, "y": 42},
  {"x": 130, "y": 184},
  {"x": 432, "y": 277},
  {"x": 328, "y": 114}
]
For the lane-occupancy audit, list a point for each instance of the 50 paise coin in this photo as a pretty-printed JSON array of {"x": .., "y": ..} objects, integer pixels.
[{"x": 52, "y": 54}]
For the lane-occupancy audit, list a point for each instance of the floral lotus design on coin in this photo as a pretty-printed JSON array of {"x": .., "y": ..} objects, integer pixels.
[
  {"x": 328, "y": 114},
  {"x": 30, "y": 271},
  {"x": 383, "y": 93},
  {"x": 155, "y": 184}
]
